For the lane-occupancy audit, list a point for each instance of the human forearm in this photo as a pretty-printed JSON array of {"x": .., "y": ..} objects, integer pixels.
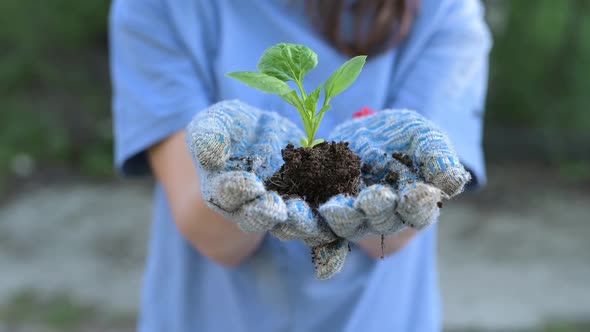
[
  {"x": 211, "y": 234},
  {"x": 372, "y": 245}
]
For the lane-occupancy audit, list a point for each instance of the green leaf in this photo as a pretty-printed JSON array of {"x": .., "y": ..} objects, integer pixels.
[
  {"x": 344, "y": 76},
  {"x": 293, "y": 99},
  {"x": 311, "y": 102},
  {"x": 262, "y": 82},
  {"x": 304, "y": 142},
  {"x": 324, "y": 109},
  {"x": 316, "y": 142},
  {"x": 288, "y": 62}
]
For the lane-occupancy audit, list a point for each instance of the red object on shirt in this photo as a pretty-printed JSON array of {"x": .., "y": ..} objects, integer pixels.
[{"x": 365, "y": 111}]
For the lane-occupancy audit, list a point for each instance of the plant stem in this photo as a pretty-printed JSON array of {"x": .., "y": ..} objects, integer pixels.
[
  {"x": 316, "y": 120},
  {"x": 300, "y": 86},
  {"x": 310, "y": 138}
]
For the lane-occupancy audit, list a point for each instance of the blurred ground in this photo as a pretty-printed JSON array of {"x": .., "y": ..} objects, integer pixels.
[
  {"x": 516, "y": 255},
  {"x": 513, "y": 257}
]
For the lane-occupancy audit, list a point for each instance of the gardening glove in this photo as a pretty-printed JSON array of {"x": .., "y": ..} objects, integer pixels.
[
  {"x": 236, "y": 148},
  {"x": 328, "y": 252},
  {"x": 408, "y": 168}
]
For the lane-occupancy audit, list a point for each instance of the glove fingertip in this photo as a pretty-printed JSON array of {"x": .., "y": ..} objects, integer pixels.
[
  {"x": 452, "y": 182},
  {"x": 299, "y": 211},
  {"x": 418, "y": 206},
  {"x": 342, "y": 217},
  {"x": 263, "y": 213},
  {"x": 209, "y": 149},
  {"x": 233, "y": 189},
  {"x": 329, "y": 259},
  {"x": 376, "y": 200}
]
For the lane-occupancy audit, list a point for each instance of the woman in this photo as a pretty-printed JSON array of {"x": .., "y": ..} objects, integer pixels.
[{"x": 203, "y": 273}]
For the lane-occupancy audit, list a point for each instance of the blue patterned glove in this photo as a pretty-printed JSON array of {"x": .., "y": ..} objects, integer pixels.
[
  {"x": 409, "y": 167},
  {"x": 237, "y": 147}
]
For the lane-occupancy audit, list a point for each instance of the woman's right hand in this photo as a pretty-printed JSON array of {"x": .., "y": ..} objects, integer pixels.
[{"x": 236, "y": 147}]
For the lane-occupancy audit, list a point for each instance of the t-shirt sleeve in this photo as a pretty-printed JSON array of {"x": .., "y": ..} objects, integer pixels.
[
  {"x": 444, "y": 75},
  {"x": 159, "y": 82}
]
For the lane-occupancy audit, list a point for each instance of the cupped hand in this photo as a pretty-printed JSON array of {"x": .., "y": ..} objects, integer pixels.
[
  {"x": 236, "y": 148},
  {"x": 408, "y": 168}
]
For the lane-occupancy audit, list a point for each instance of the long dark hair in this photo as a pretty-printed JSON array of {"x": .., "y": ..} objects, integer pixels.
[{"x": 377, "y": 25}]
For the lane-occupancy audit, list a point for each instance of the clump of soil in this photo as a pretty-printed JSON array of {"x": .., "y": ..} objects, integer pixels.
[
  {"x": 404, "y": 159},
  {"x": 392, "y": 177},
  {"x": 317, "y": 174}
]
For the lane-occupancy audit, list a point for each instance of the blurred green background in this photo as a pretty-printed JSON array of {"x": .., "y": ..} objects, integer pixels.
[
  {"x": 55, "y": 89},
  {"x": 54, "y": 85}
]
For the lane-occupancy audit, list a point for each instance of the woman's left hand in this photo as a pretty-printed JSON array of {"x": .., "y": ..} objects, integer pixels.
[{"x": 409, "y": 167}]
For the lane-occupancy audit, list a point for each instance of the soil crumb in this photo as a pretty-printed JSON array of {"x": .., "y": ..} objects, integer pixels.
[
  {"x": 404, "y": 159},
  {"x": 366, "y": 174},
  {"x": 366, "y": 168},
  {"x": 392, "y": 178}
]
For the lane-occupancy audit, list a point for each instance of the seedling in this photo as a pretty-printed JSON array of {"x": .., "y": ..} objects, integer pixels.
[{"x": 284, "y": 63}]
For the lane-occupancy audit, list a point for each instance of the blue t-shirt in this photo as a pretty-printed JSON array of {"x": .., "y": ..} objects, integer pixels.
[{"x": 169, "y": 59}]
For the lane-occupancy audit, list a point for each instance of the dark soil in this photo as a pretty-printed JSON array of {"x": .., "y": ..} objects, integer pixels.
[
  {"x": 404, "y": 159},
  {"x": 366, "y": 169},
  {"x": 392, "y": 178},
  {"x": 317, "y": 174},
  {"x": 368, "y": 177},
  {"x": 366, "y": 174}
]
